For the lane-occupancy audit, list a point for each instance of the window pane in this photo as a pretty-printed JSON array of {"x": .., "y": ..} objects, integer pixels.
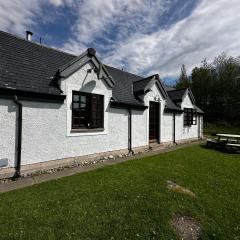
[
  {"x": 83, "y": 101},
  {"x": 76, "y": 98},
  {"x": 83, "y": 105},
  {"x": 75, "y": 121},
  {"x": 75, "y": 105},
  {"x": 97, "y": 111},
  {"x": 189, "y": 115}
]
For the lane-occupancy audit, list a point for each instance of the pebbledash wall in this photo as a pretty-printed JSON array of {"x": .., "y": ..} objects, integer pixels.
[{"x": 46, "y": 132}]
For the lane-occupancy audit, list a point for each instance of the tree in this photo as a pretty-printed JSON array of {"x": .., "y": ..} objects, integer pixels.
[
  {"x": 216, "y": 87},
  {"x": 227, "y": 87},
  {"x": 202, "y": 84},
  {"x": 183, "y": 80}
]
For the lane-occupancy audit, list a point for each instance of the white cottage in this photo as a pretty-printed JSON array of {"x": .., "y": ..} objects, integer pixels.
[{"x": 57, "y": 108}]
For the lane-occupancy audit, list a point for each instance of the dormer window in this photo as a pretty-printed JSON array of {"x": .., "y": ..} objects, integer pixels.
[
  {"x": 190, "y": 117},
  {"x": 87, "y": 111}
]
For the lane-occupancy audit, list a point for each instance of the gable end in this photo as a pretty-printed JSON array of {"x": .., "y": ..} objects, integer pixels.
[{"x": 89, "y": 55}]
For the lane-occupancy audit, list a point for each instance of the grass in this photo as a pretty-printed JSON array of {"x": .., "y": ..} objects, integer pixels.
[
  {"x": 130, "y": 200},
  {"x": 212, "y": 129}
]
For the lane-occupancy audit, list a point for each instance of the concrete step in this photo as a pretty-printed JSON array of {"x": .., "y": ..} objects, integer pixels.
[{"x": 158, "y": 146}]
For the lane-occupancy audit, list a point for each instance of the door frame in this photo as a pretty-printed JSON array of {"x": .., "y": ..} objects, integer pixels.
[{"x": 158, "y": 124}]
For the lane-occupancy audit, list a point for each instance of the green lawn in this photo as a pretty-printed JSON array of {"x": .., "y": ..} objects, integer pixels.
[{"x": 130, "y": 200}]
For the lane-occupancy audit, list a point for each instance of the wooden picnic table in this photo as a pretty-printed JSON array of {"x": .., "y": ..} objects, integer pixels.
[
  {"x": 228, "y": 135},
  {"x": 226, "y": 138},
  {"x": 230, "y": 141}
]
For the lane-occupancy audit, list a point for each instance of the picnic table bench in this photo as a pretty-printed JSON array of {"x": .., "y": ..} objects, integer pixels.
[{"x": 228, "y": 141}]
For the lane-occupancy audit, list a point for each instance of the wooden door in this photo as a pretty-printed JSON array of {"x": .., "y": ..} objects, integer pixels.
[{"x": 154, "y": 122}]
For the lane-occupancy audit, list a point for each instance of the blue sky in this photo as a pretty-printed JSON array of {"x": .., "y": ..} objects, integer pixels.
[{"x": 141, "y": 36}]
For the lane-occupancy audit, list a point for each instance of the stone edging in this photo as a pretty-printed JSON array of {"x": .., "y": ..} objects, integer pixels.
[{"x": 56, "y": 173}]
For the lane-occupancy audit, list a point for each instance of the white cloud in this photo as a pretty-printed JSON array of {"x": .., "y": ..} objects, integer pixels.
[
  {"x": 210, "y": 29},
  {"x": 59, "y": 3},
  {"x": 97, "y": 18},
  {"x": 133, "y": 37},
  {"x": 17, "y": 16}
]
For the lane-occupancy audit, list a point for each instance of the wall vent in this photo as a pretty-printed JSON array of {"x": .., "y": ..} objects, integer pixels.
[{"x": 3, "y": 162}]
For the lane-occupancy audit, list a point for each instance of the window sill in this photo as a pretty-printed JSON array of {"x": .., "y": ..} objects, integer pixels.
[
  {"x": 89, "y": 130},
  {"x": 190, "y": 125}
]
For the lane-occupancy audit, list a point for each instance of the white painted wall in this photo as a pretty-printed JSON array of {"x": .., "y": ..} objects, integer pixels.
[
  {"x": 185, "y": 132},
  {"x": 200, "y": 123},
  {"x": 7, "y": 130},
  {"x": 139, "y": 128},
  {"x": 47, "y": 135},
  {"x": 167, "y": 127}
]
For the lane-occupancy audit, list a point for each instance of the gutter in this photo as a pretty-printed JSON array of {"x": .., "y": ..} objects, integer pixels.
[
  {"x": 19, "y": 138},
  {"x": 115, "y": 104},
  {"x": 31, "y": 96},
  {"x": 175, "y": 111}
]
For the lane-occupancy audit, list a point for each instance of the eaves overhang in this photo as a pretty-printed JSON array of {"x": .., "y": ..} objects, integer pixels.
[
  {"x": 115, "y": 104},
  {"x": 31, "y": 96}
]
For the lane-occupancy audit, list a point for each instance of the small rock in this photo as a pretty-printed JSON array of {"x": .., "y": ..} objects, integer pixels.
[
  {"x": 120, "y": 155},
  {"x": 105, "y": 158},
  {"x": 111, "y": 157},
  {"x": 177, "y": 188}
]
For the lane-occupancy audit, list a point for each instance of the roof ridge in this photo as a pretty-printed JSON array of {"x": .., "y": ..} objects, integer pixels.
[
  {"x": 37, "y": 44},
  {"x": 177, "y": 89},
  {"x": 145, "y": 78},
  {"x": 125, "y": 71}
]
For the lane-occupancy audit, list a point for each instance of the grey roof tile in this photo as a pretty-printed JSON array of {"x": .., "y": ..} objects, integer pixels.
[
  {"x": 29, "y": 66},
  {"x": 123, "y": 89},
  {"x": 177, "y": 94},
  {"x": 140, "y": 85}
]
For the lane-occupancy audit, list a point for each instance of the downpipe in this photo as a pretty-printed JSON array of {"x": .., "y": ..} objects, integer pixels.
[
  {"x": 130, "y": 151},
  {"x": 174, "y": 129},
  {"x": 19, "y": 138}
]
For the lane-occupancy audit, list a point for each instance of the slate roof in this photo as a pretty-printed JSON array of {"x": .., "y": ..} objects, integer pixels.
[
  {"x": 177, "y": 94},
  {"x": 170, "y": 105},
  {"x": 30, "y": 67},
  {"x": 123, "y": 89},
  {"x": 140, "y": 85}
]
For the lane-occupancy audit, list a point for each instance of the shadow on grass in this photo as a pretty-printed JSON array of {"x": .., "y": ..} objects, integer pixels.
[{"x": 220, "y": 149}]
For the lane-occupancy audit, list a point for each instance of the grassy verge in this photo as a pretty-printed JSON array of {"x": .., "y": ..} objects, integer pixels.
[
  {"x": 212, "y": 129},
  {"x": 130, "y": 200}
]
